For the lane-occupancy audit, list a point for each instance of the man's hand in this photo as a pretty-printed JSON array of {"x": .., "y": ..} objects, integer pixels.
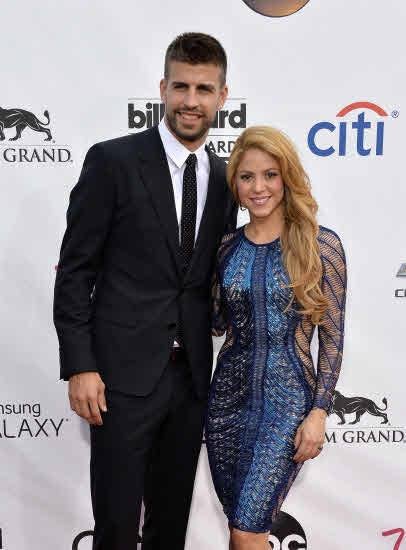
[
  {"x": 86, "y": 396},
  {"x": 310, "y": 435}
]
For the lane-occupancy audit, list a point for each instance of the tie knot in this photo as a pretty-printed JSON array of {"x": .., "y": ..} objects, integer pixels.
[{"x": 191, "y": 160}]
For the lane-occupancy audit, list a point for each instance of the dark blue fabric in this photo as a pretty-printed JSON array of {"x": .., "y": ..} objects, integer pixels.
[{"x": 265, "y": 383}]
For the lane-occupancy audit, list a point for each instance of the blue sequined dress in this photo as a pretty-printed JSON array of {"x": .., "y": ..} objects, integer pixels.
[{"x": 265, "y": 382}]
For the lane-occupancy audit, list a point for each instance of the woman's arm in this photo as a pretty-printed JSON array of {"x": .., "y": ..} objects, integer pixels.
[
  {"x": 331, "y": 330},
  {"x": 310, "y": 435}
]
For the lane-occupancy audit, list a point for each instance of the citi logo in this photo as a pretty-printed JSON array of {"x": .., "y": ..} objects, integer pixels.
[
  {"x": 363, "y": 135},
  {"x": 143, "y": 114}
]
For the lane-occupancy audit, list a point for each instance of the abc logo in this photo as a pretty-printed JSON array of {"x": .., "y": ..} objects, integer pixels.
[
  {"x": 276, "y": 8},
  {"x": 287, "y": 534},
  {"x": 81, "y": 536},
  {"x": 88, "y": 535}
]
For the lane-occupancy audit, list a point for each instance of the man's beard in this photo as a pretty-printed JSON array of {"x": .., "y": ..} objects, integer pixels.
[{"x": 171, "y": 120}]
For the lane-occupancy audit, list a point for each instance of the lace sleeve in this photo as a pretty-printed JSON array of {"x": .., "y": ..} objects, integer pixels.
[{"x": 331, "y": 330}]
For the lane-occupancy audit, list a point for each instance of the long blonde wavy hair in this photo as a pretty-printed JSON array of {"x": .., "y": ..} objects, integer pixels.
[{"x": 300, "y": 248}]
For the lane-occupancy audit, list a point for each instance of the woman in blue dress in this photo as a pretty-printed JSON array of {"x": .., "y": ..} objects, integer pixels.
[{"x": 278, "y": 278}]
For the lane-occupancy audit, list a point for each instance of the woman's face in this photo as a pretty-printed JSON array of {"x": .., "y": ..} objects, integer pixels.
[{"x": 259, "y": 183}]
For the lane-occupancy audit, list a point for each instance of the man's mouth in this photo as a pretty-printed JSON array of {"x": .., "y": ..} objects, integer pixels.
[{"x": 188, "y": 116}]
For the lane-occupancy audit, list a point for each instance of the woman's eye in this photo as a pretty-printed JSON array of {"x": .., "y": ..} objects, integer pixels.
[
  {"x": 271, "y": 174},
  {"x": 245, "y": 177}
]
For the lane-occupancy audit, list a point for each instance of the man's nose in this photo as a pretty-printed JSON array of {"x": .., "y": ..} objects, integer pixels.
[{"x": 190, "y": 99}]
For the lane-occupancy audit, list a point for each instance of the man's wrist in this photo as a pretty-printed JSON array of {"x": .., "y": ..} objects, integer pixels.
[{"x": 82, "y": 372}]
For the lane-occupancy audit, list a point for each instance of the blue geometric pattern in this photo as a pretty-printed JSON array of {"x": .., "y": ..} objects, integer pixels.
[{"x": 265, "y": 382}]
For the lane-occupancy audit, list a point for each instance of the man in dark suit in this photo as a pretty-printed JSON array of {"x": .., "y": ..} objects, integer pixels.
[{"x": 132, "y": 302}]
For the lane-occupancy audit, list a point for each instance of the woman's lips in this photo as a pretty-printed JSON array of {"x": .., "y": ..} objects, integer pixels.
[{"x": 259, "y": 201}]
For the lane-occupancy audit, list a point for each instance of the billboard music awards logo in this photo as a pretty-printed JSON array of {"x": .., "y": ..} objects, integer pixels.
[
  {"x": 20, "y": 125},
  {"x": 228, "y": 124},
  {"x": 363, "y": 135},
  {"x": 401, "y": 292},
  {"x": 26, "y": 421},
  {"x": 370, "y": 419},
  {"x": 276, "y": 8}
]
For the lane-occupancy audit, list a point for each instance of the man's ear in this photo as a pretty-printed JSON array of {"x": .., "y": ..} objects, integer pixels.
[
  {"x": 223, "y": 97},
  {"x": 162, "y": 88}
]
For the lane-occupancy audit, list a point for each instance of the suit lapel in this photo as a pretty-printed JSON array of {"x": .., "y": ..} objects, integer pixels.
[{"x": 157, "y": 180}]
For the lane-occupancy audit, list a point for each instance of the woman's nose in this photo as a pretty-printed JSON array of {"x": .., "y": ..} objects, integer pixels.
[{"x": 259, "y": 184}]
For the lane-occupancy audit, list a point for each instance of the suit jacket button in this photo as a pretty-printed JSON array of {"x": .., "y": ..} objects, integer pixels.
[{"x": 171, "y": 325}]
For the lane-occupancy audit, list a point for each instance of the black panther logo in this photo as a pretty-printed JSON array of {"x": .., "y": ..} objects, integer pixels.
[
  {"x": 359, "y": 405},
  {"x": 21, "y": 119}
]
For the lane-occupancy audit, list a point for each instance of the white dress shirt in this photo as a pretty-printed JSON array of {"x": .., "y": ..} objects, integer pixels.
[{"x": 176, "y": 153}]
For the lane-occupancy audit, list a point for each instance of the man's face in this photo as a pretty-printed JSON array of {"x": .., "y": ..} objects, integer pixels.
[{"x": 192, "y": 94}]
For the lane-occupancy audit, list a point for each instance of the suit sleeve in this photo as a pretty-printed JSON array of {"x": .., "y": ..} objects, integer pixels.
[
  {"x": 219, "y": 322},
  {"x": 331, "y": 330},
  {"x": 231, "y": 214},
  {"x": 89, "y": 218}
]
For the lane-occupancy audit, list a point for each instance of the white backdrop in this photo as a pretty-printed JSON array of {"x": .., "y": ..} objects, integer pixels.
[{"x": 88, "y": 63}]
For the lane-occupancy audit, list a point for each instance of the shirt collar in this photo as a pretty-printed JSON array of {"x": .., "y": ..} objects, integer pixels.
[{"x": 175, "y": 150}]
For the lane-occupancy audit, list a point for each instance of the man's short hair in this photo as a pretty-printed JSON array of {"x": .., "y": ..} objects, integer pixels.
[{"x": 196, "y": 48}]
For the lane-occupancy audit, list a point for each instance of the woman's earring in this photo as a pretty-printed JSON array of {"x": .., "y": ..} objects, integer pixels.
[{"x": 242, "y": 208}]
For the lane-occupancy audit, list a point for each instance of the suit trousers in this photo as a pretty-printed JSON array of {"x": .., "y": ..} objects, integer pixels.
[{"x": 147, "y": 450}]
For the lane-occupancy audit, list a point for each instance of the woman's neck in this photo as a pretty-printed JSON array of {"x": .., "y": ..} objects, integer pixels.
[{"x": 264, "y": 230}]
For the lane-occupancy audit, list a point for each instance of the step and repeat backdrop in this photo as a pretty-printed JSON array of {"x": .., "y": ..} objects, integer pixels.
[{"x": 329, "y": 73}]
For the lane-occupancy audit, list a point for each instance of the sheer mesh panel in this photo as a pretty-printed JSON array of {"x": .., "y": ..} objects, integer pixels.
[{"x": 331, "y": 331}]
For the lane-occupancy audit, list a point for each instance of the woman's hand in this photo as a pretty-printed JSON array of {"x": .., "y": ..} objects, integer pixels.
[{"x": 310, "y": 435}]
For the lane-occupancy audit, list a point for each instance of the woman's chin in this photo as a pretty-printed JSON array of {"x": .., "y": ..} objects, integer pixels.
[{"x": 259, "y": 212}]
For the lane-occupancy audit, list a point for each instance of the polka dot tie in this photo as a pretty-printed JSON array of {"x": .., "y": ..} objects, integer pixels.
[
  {"x": 188, "y": 223},
  {"x": 189, "y": 207}
]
